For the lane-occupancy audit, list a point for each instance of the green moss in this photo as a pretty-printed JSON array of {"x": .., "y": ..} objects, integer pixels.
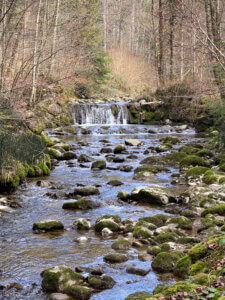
[
  {"x": 78, "y": 204},
  {"x": 98, "y": 164},
  {"x": 78, "y": 291},
  {"x": 180, "y": 286},
  {"x": 54, "y": 153},
  {"x": 159, "y": 288},
  {"x": 198, "y": 251},
  {"x": 188, "y": 240},
  {"x": 218, "y": 209},
  {"x": 201, "y": 278},
  {"x": 154, "y": 250},
  {"x": 222, "y": 167},
  {"x": 198, "y": 267},
  {"x": 48, "y": 225},
  {"x": 106, "y": 223},
  {"x": 158, "y": 219},
  {"x": 48, "y": 141},
  {"x": 182, "y": 267},
  {"x": 116, "y": 218},
  {"x": 222, "y": 180},
  {"x": 152, "y": 160},
  {"x": 175, "y": 157},
  {"x": 121, "y": 245},
  {"x": 44, "y": 168},
  {"x": 196, "y": 171},
  {"x": 204, "y": 153},
  {"x": 139, "y": 296},
  {"x": 141, "y": 232},
  {"x": 209, "y": 177},
  {"x": 165, "y": 237},
  {"x": 31, "y": 172},
  {"x": 119, "y": 149},
  {"x": 170, "y": 139},
  {"x": 164, "y": 261},
  {"x": 182, "y": 222},
  {"x": 207, "y": 202},
  {"x": 222, "y": 228},
  {"x": 95, "y": 282},
  {"x": 193, "y": 160},
  {"x": 148, "y": 225},
  {"x": 150, "y": 169},
  {"x": 188, "y": 149},
  {"x": 165, "y": 247}
]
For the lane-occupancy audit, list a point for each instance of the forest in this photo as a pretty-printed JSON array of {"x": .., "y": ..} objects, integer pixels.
[{"x": 112, "y": 149}]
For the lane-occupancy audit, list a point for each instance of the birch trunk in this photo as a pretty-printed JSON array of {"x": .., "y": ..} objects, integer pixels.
[{"x": 54, "y": 38}]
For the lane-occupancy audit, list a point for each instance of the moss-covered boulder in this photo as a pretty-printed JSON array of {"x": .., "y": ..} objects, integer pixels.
[
  {"x": 193, "y": 160},
  {"x": 148, "y": 171},
  {"x": 163, "y": 148},
  {"x": 60, "y": 279},
  {"x": 82, "y": 224},
  {"x": 121, "y": 245},
  {"x": 139, "y": 296},
  {"x": 158, "y": 219},
  {"x": 108, "y": 221},
  {"x": 141, "y": 232},
  {"x": 119, "y": 149},
  {"x": 164, "y": 262},
  {"x": 54, "y": 153},
  {"x": 123, "y": 195},
  {"x": 151, "y": 194},
  {"x": 182, "y": 267},
  {"x": 86, "y": 191},
  {"x": 165, "y": 237},
  {"x": 115, "y": 182},
  {"x": 82, "y": 204},
  {"x": 217, "y": 209},
  {"x": 170, "y": 139},
  {"x": 133, "y": 142},
  {"x": 199, "y": 251},
  {"x": 114, "y": 258},
  {"x": 101, "y": 283},
  {"x": 154, "y": 250},
  {"x": 83, "y": 158},
  {"x": 62, "y": 145},
  {"x": 182, "y": 222},
  {"x": 79, "y": 292},
  {"x": 209, "y": 177},
  {"x": 98, "y": 164},
  {"x": 48, "y": 225},
  {"x": 196, "y": 172},
  {"x": 205, "y": 153}
]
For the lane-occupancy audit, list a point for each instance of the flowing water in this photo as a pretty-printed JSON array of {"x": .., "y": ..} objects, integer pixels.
[{"x": 24, "y": 255}]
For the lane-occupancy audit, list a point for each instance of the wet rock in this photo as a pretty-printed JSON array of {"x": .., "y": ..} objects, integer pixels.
[
  {"x": 68, "y": 155},
  {"x": 108, "y": 221},
  {"x": 98, "y": 283},
  {"x": 82, "y": 204},
  {"x": 151, "y": 194},
  {"x": 82, "y": 224},
  {"x": 98, "y": 164},
  {"x": 118, "y": 159},
  {"x": 141, "y": 232},
  {"x": 85, "y": 130},
  {"x": 137, "y": 244},
  {"x": 166, "y": 228},
  {"x": 86, "y": 191},
  {"x": 81, "y": 240},
  {"x": 163, "y": 148},
  {"x": 54, "y": 153},
  {"x": 48, "y": 225},
  {"x": 63, "y": 146},
  {"x": 114, "y": 258},
  {"x": 121, "y": 245},
  {"x": 137, "y": 271},
  {"x": 123, "y": 195},
  {"x": 139, "y": 296},
  {"x": 60, "y": 279},
  {"x": 106, "y": 150},
  {"x": 106, "y": 232},
  {"x": 83, "y": 158},
  {"x": 59, "y": 296},
  {"x": 144, "y": 257},
  {"x": 96, "y": 270},
  {"x": 115, "y": 182},
  {"x": 133, "y": 142},
  {"x": 170, "y": 139},
  {"x": 119, "y": 149},
  {"x": 181, "y": 222},
  {"x": 126, "y": 168},
  {"x": 132, "y": 156}
]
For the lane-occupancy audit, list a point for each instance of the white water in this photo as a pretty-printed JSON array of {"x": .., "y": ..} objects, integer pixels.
[{"x": 110, "y": 114}]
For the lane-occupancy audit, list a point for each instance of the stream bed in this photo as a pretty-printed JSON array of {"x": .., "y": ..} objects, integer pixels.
[{"x": 24, "y": 255}]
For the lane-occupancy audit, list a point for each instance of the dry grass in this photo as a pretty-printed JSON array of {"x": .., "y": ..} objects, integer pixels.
[{"x": 131, "y": 72}]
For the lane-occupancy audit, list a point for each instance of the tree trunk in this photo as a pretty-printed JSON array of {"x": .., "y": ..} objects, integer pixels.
[{"x": 160, "y": 53}]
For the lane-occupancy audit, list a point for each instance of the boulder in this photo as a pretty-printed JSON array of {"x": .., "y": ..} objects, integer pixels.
[
  {"x": 82, "y": 224},
  {"x": 99, "y": 164},
  {"x": 48, "y": 225},
  {"x": 164, "y": 262},
  {"x": 83, "y": 158},
  {"x": 151, "y": 194},
  {"x": 123, "y": 195},
  {"x": 82, "y": 204},
  {"x": 106, "y": 223},
  {"x": 121, "y": 245},
  {"x": 101, "y": 283},
  {"x": 133, "y": 142},
  {"x": 114, "y": 258},
  {"x": 86, "y": 191},
  {"x": 119, "y": 149},
  {"x": 115, "y": 182},
  {"x": 137, "y": 271}
]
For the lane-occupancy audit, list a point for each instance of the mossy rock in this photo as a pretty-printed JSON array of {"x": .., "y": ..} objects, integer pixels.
[
  {"x": 198, "y": 251},
  {"x": 218, "y": 209},
  {"x": 205, "y": 153},
  {"x": 164, "y": 148},
  {"x": 82, "y": 224},
  {"x": 182, "y": 267},
  {"x": 201, "y": 279},
  {"x": 209, "y": 177},
  {"x": 54, "y": 153},
  {"x": 148, "y": 225},
  {"x": 119, "y": 149},
  {"x": 158, "y": 219},
  {"x": 114, "y": 258},
  {"x": 139, "y": 296},
  {"x": 196, "y": 172},
  {"x": 198, "y": 267},
  {"x": 63, "y": 146},
  {"x": 182, "y": 222},
  {"x": 44, "y": 168},
  {"x": 98, "y": 164},
  {"x": 141, "y": 232},
  {"x": 48, "y": 141},
  {"x": 115, "y": 182},
  {"x": 170, "y": 139},
  {"x": 48, "y": 225},
  {"x": 121, "y": 245},
  {"x": 164, "y": 262},
  {"x": 165, "y": 247},
  {"x": 222, "y": 180},
  {"x": 98, "y": 283},
  {"x": 180, "y": 286},
  {"x": 60, "y": 278},
  {"x": 222, "y": 228},
  {"x": 222, "y": 167},
  {"x": 174, "y": 158},
  {"x": 106, "y": 223},
  {"x": 207, "y": 202},
  {"x": 188, "y": 240},
  {"x": 188, "y": 149},
  {"x": 150, "y": 169},
  {"x": 151, "y": 194},
  {"x": 82, "y": 204},
  {"x": 68, "y": 155},
  {"x": 86, "y": 191},
  {"x": 116, "y": 218},
  {"x": 159, "y": 288},
  {"x": 154, "y": 250},
  {"x": 165, "y": 237},
  {"x": 31, "y": 172},
  {"x": 79, "y": 292},
  {"x": 123, "y": 195},
  {"x": 193, "y": 160}
]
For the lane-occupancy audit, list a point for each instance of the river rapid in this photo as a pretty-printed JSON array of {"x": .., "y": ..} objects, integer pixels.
[{"x": 24, "y": 255}]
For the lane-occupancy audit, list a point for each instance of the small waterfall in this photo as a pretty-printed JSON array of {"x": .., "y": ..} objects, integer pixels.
[{"x": 91, "y": 113}]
